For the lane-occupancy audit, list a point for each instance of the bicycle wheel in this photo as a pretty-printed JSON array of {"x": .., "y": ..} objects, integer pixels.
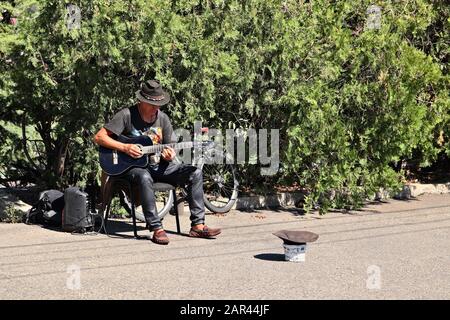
[
  {"x": 220, "y": 187},
  {"x": 220, "y": 184},
  {"x": 164, "y": 201}
]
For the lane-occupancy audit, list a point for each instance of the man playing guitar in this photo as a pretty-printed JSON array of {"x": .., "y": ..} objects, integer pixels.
[{"x": 145, "y": 118}]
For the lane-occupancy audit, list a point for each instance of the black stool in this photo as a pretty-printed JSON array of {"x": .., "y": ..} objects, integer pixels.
[{"x": 118, "y": 183}]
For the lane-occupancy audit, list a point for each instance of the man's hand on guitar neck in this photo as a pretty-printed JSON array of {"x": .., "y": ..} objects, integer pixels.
[{"x": 168, "y": 153}]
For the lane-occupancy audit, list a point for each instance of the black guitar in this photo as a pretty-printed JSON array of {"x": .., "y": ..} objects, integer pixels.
[{"x": 114, "y": 162}]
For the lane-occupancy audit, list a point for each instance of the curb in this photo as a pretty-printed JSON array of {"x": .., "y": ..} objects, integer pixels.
[
  {"x": 283, "y": 199},
  {"x": 417, "y": 189},
  {"x": 7, "y": 199},
  {"x": 287, "y": 199}
]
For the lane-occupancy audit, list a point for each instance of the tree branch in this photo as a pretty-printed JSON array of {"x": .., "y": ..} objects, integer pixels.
[{"x": 25, "y": 149}]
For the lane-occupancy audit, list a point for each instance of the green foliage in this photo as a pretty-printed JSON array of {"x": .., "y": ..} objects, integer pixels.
[
  {"x": 11, "y": 215},
  {"x": 371, "y": 100},
  {"x": 351, "y": 103},
  {"x": 117, "y": 210}
]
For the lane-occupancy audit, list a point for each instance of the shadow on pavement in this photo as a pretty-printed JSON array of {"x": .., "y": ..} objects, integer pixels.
[
  {"x": 270, "y": 256},
  {"x": 117, "y": 229},
  {"x": 116, "y": 226}
]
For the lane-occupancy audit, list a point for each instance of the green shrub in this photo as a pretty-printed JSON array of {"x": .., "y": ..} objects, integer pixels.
[
  {"x": 351, "y": 103},
  {"x": 11, "y": 215},
  {"x": 117, "y": 210}
]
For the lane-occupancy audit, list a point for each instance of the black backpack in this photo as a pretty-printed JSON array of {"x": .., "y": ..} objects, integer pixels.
[{"x": 47, "y": 210}]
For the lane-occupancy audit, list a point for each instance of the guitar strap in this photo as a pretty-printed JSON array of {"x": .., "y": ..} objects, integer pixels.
[
  {"x": 128, "y": 124},
  {"x": 155, "y": 158}
]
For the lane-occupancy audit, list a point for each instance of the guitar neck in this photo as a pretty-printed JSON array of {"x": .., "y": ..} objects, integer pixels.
[{"x": 159, "y": 147}]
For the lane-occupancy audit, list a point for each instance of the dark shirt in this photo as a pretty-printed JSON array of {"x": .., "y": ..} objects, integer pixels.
[{"x": 128, "y": 122}]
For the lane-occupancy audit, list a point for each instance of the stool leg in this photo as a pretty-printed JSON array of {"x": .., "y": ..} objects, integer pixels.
[
  {"x": 175, "y": 204},
  {"x": 106, "y": 215},
  {"x": 133, "y": 213}
]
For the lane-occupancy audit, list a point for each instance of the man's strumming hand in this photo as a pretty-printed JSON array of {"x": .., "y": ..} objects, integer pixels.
[{"x": 132, "y": 150}]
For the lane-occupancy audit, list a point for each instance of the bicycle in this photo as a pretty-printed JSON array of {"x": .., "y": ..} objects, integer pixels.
[{"x": 219, "y": 180}]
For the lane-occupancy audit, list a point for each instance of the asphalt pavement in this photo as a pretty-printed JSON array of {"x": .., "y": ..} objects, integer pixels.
[{"x": 393, "y": 250}]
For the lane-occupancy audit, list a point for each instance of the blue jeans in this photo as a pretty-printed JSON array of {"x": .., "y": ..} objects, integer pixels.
[{"x": 175, "y": 174}]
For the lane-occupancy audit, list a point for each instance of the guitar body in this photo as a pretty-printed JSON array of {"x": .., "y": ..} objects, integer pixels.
[{"x": 115, "y": 163}]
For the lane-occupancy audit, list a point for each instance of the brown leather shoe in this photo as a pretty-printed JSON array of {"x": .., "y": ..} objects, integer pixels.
[
  {"x": 160, "y": 237},
  {"x": 206, "y": 232}
]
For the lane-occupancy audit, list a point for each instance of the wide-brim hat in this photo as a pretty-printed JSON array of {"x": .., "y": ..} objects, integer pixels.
[
  {"x": 296, "y": 237},
  {"x": 151, "y": 92}
]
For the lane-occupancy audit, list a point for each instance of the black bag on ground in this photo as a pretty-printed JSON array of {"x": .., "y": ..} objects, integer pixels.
[
  {"x": 76, "y": 216},
  {"x": 47, "y": 210}
]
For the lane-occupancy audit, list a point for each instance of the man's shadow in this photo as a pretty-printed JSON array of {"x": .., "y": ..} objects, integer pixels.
[
  {"x": 270, "y": 256},
  {"x": 124, "y": 229},
  {"x": 117, "y": 228}
]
